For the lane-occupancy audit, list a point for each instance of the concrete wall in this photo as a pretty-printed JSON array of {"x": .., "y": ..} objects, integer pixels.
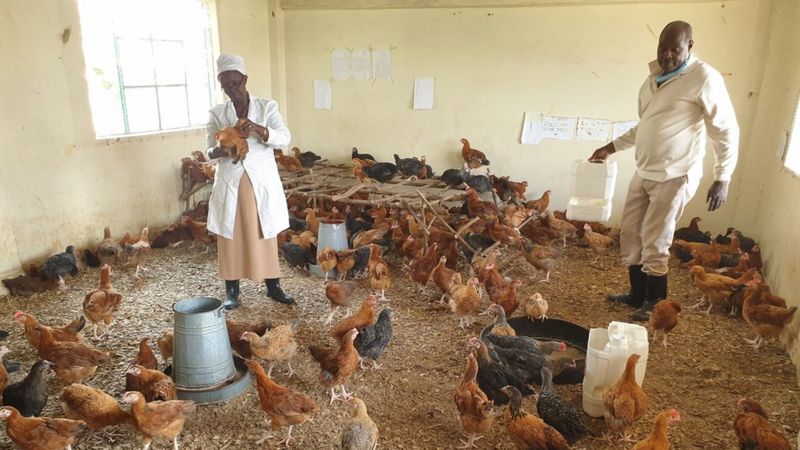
[
  {"x": 492, "y": 64},
  {"x": 58, "y": 184},
  {"x": 768, "y": 205}
]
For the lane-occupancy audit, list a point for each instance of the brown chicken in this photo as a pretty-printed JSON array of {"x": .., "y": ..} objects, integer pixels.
[
  {"x": 377, "y": 233},
  {"x": 478, "y": 208},
  {"x": 413, "y": 248},
  {"x": 536, "y": 307},
  {"x": 624, "y": 402},
  {"x": 505, "y": 295},
  {"x": 235, "y": 330},
  {"x": 503, "y": 233},
  {"x": 514, "y": 216},
  {"x": 766, "y": 320},
  {"x": 68, "y": 333},
  {"x": 283, "y": 406},
  {"x": 659, "y": 437},
  {"x": 73, "y": 361},
  {"x": 360, "y": 433},
  {"x": 164, "y": 343},
  {"x": 733, "y": 248},
  {"x": 326, "y": 259},
  {"x": 474, "y": 408},
  {"x": 275, "y": 345},
  {"x": 138, "y": 251},
  {"x": 289, "y": 163},
  {"x": 562, "y": 227},
  {"x": 420, "y": 269},
  {"x": 233, "y": 141},
  {"x": 340, "y": 294},
  {"x": 337, "y": 367},
  {"x": 312, "y": 221},
  {"x": 500, "y": 327},
  {"x": 599, "y": 243},
  {"x": 345, "y": 261},
  {"x": 199, "y": 231},
  {"x": 753, "y": 429},
  {"x": 145, "y": 358},
  {"x": 472, "y": 156},
  {"x": 664, "y": 318},
  {"x": 709, "y": 258},
  {"x": 464, "y": 300},
  {"x": 158, "y": 420},
  {"x": 306, "y": 240},
  {"x": 444, "y": 277},
  {"x": 153, "y": 384},
  {"x": 380, "y": 278},
  {"x": 39, "y": 433},
  {"x": 108, "y": 249},
  {"x": 365, "y": 316},
  {"x": 528, "y": 431},
  {"x": 715, "y": 288},
  {"x": 100, "y": 305},
  {"x": 92, "y": 406},
  {"x": 541, "y": 204}
]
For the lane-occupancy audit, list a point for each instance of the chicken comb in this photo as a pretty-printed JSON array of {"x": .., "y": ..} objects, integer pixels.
[{"x": 18, "y": 314}]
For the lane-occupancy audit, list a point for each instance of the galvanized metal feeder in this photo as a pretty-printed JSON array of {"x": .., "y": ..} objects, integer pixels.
[
  {"x": 333, "y": 234},
  {"x": 203, "y": 365}
]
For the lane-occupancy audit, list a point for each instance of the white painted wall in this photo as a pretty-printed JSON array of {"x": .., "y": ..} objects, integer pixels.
[{"x": 492, "y": 64}]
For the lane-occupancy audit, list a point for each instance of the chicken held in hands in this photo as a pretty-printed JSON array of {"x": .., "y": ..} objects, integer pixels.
[
  {"x": 557, "y": 412},
  {"x": 158, "y": 420},
  {"x": 536, "y": 307},
  {"x": 474, "y": 407},
  {"x": 527, "y": 431},
  {"x": 624, "y": 402},
  {"x": 153, "y": 384},
  {"x": 92, "y": 406},
  {"x": 754, "y": 430},
  {"x": 29, "y": 396},
  {"x": 659, "y": 437},
  {"x": 360, "y": 433},
  {"x": 373, "y": 339},
  {"x": 284, "y": 406},
  {"x": 39, "y": 433},
  {"x": 336, "y": 367},
  {"x": 100, "y": 305},
  {"x": 234, "y": 141},
  {"x": 464, "y": 300},
  {"x": 664, "y": 318},
  {"x": 276, "y": 345}
]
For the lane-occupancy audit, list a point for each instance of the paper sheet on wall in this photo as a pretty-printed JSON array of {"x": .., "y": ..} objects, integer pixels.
[
  {"x": 382, "y": 64},
  {"x": 361, "y": 64},
  {"x": 322, "y": 94},
  {"x": 423, "y": 93},
  {"x": 562, "y": 128},
  {"x": 621, "y": 128},
  {"x": 532, "y": 128},
  {"x": 340, "y": 64},
  {"x": 593, "y": 129}
]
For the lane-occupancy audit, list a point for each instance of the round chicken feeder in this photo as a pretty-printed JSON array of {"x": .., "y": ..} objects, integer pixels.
[{"x": 333, "y": 234}]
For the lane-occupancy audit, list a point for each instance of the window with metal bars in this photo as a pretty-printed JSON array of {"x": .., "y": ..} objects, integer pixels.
[{"x": 149, "y": 64}]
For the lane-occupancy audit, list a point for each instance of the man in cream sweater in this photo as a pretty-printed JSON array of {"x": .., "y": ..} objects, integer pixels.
[{"x": 682, "y": 104}]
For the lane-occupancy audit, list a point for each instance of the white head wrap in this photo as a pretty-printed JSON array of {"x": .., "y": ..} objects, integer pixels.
[{"x": 227, "y": 62}]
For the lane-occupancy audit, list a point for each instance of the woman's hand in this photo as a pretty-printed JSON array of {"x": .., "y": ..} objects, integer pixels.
[{"x": 249, "y": 127}]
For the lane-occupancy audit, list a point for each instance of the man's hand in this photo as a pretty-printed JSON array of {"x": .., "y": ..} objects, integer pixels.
[
  {"x": 602, "y": 153},
  {"x": 717, "y": 194}
]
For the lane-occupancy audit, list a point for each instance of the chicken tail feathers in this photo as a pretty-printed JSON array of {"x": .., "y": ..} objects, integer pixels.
[{"x": 76, "y": 325}]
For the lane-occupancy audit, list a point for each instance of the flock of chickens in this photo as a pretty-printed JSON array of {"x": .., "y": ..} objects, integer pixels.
[{"x": 501, "y": 366}]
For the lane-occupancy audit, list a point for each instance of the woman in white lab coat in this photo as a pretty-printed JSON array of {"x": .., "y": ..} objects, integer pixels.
[{"x": 247, "y": 208}]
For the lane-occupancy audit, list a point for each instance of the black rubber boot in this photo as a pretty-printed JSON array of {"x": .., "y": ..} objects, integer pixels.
[
  {"x": 638, "y": 281},
  {"x": 231, "y": 294},
  {"x": 655, "y": 292},
  {"x": 275, "y": 292}
]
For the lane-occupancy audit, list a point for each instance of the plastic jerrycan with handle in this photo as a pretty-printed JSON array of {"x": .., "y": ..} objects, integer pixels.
[
  {"x": 591, "y": 190},
  {"x": 606, "y": 356}
]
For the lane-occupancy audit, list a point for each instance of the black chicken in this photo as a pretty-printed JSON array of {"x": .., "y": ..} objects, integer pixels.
[
  {"x": 478, "y": 242},
  {"x": 557, "y": 412},
  {"x": 493, "y": 376},
  {"x": 29, "y": 396},
  {"x": 362, "y": 260},
  {"x": 745, "y": 243},
  {"x": 355, "y": 155},
  {"x": 59, "y": 265},
  {"x": 307, "y": 159},
  {"x": 297, "y": 224},
  {"x": 692, "y": 233},
  {"x": 297, "y": 256},
  {"x": 408, "y": 166},
  {"x": 371, "y": 341},
  {"x": 452, "y": 177},
  {"x": 91, "y": 259},
  {"x": 381, "y": 172},
  {"x": 527, "y": 343},
  {"x": 356, "y": 224},
  {"x": 480, "y": 183}
]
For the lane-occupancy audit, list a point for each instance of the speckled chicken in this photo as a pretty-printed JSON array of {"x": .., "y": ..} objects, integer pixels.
[
  {"x": 557, "y": 412},
  {"x": 493, "y": 376},
  {"x": 276, "y": 345},
  {"x": 373, "y": 339},
  {"x": 360, "y": 433},
  {"x": 500, "y": 327},
  {"x": 59, "y": 265},
  {"x": 528, "y": 431}
]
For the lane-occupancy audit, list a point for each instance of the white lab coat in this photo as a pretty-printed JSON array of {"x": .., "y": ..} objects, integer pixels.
[{"x": 259, "y": 164}]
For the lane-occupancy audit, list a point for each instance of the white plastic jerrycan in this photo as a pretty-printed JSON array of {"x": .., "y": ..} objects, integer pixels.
[
  {"x": 606, "y": 356},
  {"x": 591, "y": 190}
]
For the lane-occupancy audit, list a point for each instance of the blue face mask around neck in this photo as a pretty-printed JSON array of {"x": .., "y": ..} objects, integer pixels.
[{"x": 668, "y": 76}]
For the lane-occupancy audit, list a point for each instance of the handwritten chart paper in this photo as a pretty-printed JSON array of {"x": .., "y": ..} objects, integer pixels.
[
  {"x": 382, "y": 64},
  {"x": 621, "y": 128},
  {"x": 561, "y": 128},
  {"x": 423, "y": 93},
  {"x": 532, "y": 128},
  {"x": 361, "y": 64},
  {"x": 340, "y": 64},
  {"x": 593, "y": 129}
]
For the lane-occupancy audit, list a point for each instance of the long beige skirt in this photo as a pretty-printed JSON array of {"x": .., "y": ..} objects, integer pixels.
[{"x": 248, "y": 254}]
